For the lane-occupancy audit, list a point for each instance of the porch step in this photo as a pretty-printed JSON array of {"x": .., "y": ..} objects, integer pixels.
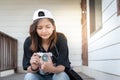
[
  {"x": 6, "y": 73},
  {"x": 85, "y": 77},
  {"x": 16, "y": 76},
  {"x": 20, "y": 76}
]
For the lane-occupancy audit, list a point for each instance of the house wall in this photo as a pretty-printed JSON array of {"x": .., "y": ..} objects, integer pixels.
[
  {"x": 16, "y": 17},
  {"x": 104, "y": 45}
]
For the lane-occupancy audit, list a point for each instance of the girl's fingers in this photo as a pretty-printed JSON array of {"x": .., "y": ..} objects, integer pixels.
[
  {"x": 35, "y": 54},
  {"x": 49, "y": 58},
  {"x": 35, "y": 60}
]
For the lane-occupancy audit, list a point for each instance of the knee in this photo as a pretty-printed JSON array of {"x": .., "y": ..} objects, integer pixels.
[
  {"x": 30, "y": 76},
  {"x": 61, "y": 76}
]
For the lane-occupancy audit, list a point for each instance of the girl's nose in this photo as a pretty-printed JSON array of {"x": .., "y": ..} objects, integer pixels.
[{"x": 43, "y": 30}]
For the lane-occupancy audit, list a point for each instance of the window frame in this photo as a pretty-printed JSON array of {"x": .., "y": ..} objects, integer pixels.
[
  {"x": 95, "y": 26},
  {"x": 118, "y": 7}
]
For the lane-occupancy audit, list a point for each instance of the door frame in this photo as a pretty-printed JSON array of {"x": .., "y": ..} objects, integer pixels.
[{"x": 84, "y": 33}]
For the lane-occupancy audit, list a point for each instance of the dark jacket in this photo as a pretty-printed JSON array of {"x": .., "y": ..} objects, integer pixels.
[{"x": 59, "y": 51}]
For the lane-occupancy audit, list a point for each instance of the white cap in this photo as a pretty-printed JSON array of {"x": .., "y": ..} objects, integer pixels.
[{"x": 42, "y": 13}]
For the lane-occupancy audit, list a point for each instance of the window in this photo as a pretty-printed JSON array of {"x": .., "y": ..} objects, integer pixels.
[
  {"x": 118, "y": 7},
  {"x": 95, "y": 15}
]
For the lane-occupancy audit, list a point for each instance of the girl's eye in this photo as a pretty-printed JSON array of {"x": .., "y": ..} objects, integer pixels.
[
  {"x": 39, "y": 28},
  {"x": 47, "y": 26}
]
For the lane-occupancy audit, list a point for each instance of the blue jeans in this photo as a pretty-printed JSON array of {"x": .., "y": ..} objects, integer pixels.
[{"x": 35, "y": 76}]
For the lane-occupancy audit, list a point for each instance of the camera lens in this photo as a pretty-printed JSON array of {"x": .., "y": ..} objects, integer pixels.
[{"x": 45, "y": 57}]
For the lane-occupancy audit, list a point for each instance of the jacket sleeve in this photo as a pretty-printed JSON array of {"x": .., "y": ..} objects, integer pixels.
[
  {"x": 62, "y": 46},
  {"x": 27, "y": 54}
]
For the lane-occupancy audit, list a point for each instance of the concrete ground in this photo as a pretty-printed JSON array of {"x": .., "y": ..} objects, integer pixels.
[{"x": 20, "y": 76}]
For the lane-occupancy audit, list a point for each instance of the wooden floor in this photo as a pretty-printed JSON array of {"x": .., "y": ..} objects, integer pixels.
[{"x": 20, "y": 76}]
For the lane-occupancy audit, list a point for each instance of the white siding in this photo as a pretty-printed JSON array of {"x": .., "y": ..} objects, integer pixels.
[
  {"x": 16, "y": 16},
  {"x": 104, "y": 46}
]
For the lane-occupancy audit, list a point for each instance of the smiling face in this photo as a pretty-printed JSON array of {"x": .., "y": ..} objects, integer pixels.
[{"x": 44, "y": 28}]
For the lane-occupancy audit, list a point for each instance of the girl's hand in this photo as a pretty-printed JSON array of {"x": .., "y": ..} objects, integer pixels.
[
  {"x": 47, "y": 66},
  {"x": 35, "y": 61}
]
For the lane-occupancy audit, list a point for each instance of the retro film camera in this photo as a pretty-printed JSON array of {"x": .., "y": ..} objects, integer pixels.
[{"x": 44, "y": 55}]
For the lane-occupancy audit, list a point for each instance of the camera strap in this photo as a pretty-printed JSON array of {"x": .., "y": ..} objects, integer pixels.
[{"x": 56, "y": 50}]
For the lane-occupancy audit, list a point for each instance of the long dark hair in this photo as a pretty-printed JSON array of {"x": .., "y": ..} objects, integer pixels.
[{"x": 36, "y": 41}]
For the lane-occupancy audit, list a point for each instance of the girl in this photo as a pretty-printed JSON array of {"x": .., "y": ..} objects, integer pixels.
[{"x": 44, "y": 39}]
